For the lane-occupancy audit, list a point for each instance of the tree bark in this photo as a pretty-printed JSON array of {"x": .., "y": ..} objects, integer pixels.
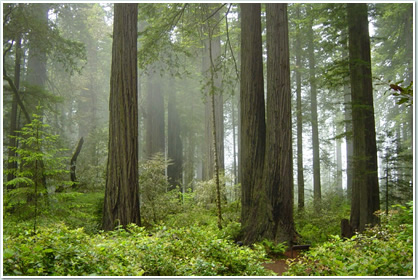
[
  {"x": 252, "y": 113},
  {"x": 121, "y": 204},
  {"x": 278, "y": 170},
  {"x": 365, "y": 193},
  {"x": 271, "y": 208}
]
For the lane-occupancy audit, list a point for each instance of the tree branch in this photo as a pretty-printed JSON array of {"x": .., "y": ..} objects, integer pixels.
[{"x": 16, "y": 93}]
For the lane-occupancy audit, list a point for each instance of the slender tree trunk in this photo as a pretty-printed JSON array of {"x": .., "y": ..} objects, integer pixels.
[
  {"x": 154, "y": 117},
  {"x": 252, "y": 117},
  {"x": 365, "y": 192},
  {"x": 348, "y": 127},
  {"x": 174, "y": 143},
  {"x": 301, "y": 181},
  {"x": 234, "y": 150},
  {"x": 212, "y": 47},
  {"x": 314, "y": 117},
  {"x": 12, "y": 164},
  {"x": 73, "y": 161},
  {"x": 339, "y": 177},
  {"x": 121, "y": 204}
]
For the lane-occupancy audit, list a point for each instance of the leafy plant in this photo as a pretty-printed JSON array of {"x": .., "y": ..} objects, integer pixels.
[
  {"x": 384, "y": 250},
  {"x": 192, "y": 250},
  {"x": 272, "y": 249},
  {"x": 156, "y": 202}
]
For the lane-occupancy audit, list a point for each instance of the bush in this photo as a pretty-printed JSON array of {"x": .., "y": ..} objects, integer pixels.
[
  {"x": 156, "y": 202},
  {"x": 191, "y": 250},
  {"x": 384, "y": 250},
  {"x": 317, "y": 227}
]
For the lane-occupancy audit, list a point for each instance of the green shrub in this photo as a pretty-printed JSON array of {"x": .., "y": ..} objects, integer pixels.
[
  {"x": 316, "y": 227},
  {"x": 156, "y": 202},
  {"x": 384, "y": 250},
  {"x": 192, "y": 250}
]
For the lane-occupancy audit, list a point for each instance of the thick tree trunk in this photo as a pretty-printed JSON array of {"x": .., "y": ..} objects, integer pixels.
[
  {"x": 301, "y": 181},
  {"x": 121, "y": 204},
  {"x": 314, "y": 117},
  {"x": 278, "y": 169},
  {"x": 271, "y": 211},
  {"x": 365, "y": 193},
  {"x": 252, "y": 114}
]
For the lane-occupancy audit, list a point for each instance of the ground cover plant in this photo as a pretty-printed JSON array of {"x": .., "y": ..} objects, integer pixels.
[
  {"x": 136, "y": 251},
  {"x": 383, "y": 250}
]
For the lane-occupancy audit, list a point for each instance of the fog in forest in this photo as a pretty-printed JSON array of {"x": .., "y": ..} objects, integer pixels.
[{"x": 59, "y": 77}]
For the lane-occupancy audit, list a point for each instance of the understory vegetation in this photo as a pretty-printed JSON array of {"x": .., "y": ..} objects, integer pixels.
[{"x": 181, "y": 237}]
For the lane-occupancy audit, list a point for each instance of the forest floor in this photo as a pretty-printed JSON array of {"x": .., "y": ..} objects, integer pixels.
[{"x": 279, "y": 265}]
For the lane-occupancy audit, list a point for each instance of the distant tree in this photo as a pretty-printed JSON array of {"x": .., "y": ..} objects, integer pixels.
[
  {"x": 314, "y": 112},
  {"x": 174, "y": 142},
  {"x": 365, "y": 193},
  {"x": 298, "y": 70},
  {"x": 154, "y": 115},
  {"x": 121, "y": 203},
  {"x": 211, "y": 62}
]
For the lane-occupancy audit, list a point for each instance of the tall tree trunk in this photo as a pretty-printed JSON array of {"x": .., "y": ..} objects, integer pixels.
[
  {"x": 271, "y": 209},
  {"x": 36, "y": 75},
  {"x": 154, "y": 117},
  {"x": 301, "y": 181},
  {"x": 212, "y": 47},
  {"x": 348, "y": 127},
  {"x": 252, "y": 115},
  {"x": 339, "y": 177},
  {"x": 121, "y": 204},
  {"x": 234, "y": 141},
  {"x": 314, "y": 115},
  {"x": 12, "y": 164},
  {"x": 365, "y": 192},
  {"x": 278, "y": 169},
  {"x": 174, "y": 143}
]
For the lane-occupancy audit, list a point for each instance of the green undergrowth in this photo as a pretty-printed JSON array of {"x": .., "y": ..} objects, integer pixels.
[
  {"x": 384, "y": 250},
  {"x": 194, "y": 250},
  {"x": 316, "y": 227}
]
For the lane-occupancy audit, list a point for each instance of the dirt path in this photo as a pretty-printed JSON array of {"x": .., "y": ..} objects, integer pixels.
[{"x": 279, "y": 265}]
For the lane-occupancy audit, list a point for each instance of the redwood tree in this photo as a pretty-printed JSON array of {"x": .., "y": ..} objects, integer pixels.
[
  {"x": 121, "y": 203},
  {"x": 252, "y": 115},
  {"x": 269, "y": 193},
  {"x": 365, "y": 189},
  {"x": 278, "y": 172}
]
